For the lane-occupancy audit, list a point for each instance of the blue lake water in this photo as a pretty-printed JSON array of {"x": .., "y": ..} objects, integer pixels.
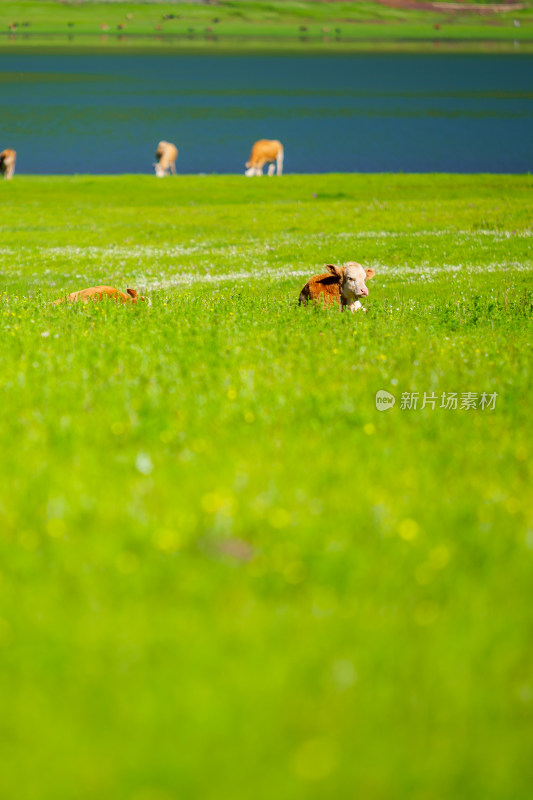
[{"x": 352, "y": 113}]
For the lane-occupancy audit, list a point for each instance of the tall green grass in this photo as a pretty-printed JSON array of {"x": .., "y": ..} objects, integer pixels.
[{"x": 224, "y": 572}]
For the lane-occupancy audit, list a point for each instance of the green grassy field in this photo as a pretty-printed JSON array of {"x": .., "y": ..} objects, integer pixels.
[
  {"x": 306, "y": 26},
  {"x": 224, "y": 573}
]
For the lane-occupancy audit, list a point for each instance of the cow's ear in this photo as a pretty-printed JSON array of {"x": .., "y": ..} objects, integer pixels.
[
  {"x": 335, "y": 270},
  {"x": 369, "y": 274},
  {"x": 132, "y": 293}
]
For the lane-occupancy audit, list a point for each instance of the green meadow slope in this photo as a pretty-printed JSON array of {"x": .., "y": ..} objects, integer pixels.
[
  {"x": 223, "y": 571},
  {"x": 301, "y": 26}
]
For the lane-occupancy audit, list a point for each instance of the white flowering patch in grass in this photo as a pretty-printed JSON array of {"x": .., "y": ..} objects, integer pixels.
[
  {"x": 166, "y": 279},
  {"x": 423, "y": 272},
  {"x": 10, "y": 256}
]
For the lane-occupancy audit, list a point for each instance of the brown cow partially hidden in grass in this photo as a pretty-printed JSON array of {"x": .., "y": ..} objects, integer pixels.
[
  {"x": 8, "y": 158},
  {"x": 345, "y": 285},
  {"x": 166, "y": 155},
  {"x": 101, "y": 293},
  {"x": 263, "y": 151}
]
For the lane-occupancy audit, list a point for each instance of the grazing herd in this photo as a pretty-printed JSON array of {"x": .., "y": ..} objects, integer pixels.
[
  {"x": 343, "y": 286},
  {"x": 264, "y": 151}
]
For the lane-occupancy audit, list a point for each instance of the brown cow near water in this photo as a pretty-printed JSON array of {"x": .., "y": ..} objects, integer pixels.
[
  {"x": 8, "y": 158},
  {"x": 263, "y": 151},
  {"x": 166, "y": 155}
]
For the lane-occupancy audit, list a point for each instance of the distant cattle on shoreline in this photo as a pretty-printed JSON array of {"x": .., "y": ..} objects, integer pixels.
[
  {"x": 263, "y": 152},
  {"x": 8, "y": 158},
  {"x": 166, "y": 155}
]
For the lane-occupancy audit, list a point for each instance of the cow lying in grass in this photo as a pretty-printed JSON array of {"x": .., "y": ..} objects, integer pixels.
[
  {"x": 8, "y": 158},
  {"x": 101, "y": 293},
  {"x": 345, "y": 285},
  {"x": 263, "y": 151},
  {"x": 166, "y": 155}
]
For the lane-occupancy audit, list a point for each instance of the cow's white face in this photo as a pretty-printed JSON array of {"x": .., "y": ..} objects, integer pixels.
[
  {"x": 354, "y": 283},
  {"x": 352, "y": 277}
]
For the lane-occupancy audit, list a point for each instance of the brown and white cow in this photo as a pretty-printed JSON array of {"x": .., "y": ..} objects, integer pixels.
[
  {"x": 345, "y": 285},
  {"x": 8, "y": 158},
  {"x": 166, "y": 155},
  {"x": 101, "y": 293},
  {"x": 263, "y": 151}
]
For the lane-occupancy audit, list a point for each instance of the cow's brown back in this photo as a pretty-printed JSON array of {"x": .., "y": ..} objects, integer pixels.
[
  {"x": 99, "y": 293},
  {"x": 264, "y": 150},
  {"x": 323, "y": 288},
  {"x": 166, "y": 154}
]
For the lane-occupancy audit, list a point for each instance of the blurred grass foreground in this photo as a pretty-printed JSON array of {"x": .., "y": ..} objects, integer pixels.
[{"x": 224, "y": 572}]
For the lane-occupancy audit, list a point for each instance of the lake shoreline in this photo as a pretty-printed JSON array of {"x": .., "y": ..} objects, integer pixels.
[
  {"x": 114, "y": 176},
  {"x": 151, "y": 46}
]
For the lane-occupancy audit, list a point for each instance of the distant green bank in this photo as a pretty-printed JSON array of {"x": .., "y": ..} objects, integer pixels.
[{"x": 302, "y": 27}]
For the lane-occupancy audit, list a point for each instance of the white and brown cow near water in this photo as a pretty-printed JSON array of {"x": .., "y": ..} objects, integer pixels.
[
  {"x": 263, "y": 151},
  {"x": 166, "y": 155},
  {"x": 8, "y": 158}
]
